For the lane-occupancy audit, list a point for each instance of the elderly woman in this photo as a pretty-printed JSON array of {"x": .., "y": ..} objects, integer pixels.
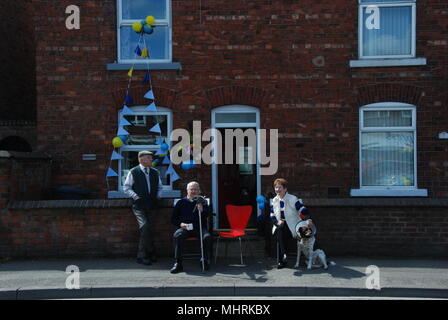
[{"x": 287, "y": 210}]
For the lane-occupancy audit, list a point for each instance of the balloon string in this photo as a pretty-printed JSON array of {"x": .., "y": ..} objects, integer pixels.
[{"x": 148, "y": 57}]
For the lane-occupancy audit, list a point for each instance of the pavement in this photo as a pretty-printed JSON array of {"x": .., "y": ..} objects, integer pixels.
[{"x": 123, "y": 278}]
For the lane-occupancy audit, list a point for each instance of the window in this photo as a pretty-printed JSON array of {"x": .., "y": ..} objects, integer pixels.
[
  {"x": 140, "y": 138},
  {"x": 387, "y": 150},
  {"x": 386, "y": 29},
  {"x": 158, "y": 43}
]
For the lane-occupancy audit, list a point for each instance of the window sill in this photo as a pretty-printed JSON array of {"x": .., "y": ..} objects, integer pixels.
[
  {"x": 387, "y": 62},
  {"x": 165, "y": 194},
  {"x": 144, "y": 66},
  {"x": 388, "y": 193}
]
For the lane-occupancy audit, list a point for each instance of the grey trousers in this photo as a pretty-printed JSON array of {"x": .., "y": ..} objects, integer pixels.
[
  {"x": 146, "y": 239},
  {"x": 179, "y": 238}
]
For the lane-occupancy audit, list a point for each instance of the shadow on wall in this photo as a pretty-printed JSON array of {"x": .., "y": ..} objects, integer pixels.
[{"x": 14, "y": 143}]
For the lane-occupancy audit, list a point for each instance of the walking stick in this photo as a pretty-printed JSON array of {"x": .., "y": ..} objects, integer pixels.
[{"x": 202, "y": 246}]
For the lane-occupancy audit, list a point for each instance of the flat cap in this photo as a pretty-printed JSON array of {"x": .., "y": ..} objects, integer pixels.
[{"x": 144, "y": 153}]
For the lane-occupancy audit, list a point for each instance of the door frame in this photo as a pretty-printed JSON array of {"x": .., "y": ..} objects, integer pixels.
[{"x": 256, "y": 125}]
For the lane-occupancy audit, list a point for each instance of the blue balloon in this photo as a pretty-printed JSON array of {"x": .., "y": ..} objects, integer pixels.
[
  {"x": 143, "y": 22},
  {"x": 164, "y": 147},
  {"x": 187, "y": 165},
  {"x": 261, "y": 205},
  {"x": 148, "y": 29},
  {"x": 261, "y": 199}
]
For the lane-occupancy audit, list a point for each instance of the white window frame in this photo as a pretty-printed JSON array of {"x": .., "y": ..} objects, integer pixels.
[
  {"x": 167, "y": 190},
  {"x": 407, "y": 3},
  {"x": 159, "y": 22},
  {"x": 388, "y": 191}
]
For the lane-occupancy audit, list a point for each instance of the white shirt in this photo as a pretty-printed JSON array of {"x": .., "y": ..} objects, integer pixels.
[{"x": 129, "y": 182}]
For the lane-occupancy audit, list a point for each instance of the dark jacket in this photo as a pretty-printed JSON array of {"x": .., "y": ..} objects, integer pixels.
[
  {"x": 147, "y": 200},
  {"x": 184, "y": 211}
]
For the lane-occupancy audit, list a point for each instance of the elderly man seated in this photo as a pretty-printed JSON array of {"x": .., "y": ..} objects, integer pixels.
[{"x": 186, "y": 217}]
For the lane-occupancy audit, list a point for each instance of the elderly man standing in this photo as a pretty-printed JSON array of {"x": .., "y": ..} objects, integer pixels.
[
  {"x": 186, "y": 217},
  {"x": 144, "y": 186}
]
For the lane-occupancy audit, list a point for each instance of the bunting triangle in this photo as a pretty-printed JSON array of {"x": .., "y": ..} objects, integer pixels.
[
  {"x": 147, "y": 77},
  {"x": 156, "y": 128},
  {"x": 149, "y": 95},
  {"x": 151, "y": 107},
  {"x": 122, "y": 132},
  {"x": 144, "y": 53},
  {"x": 130, "y": 72},
  {"x": 166, "y": 160},
  {"x": 170, "y": 170},
  {"x": 174, "y": 176},
  {"x": 111, "y": 173},
  {"x": 127, "y": 111},
  {"x": 124, "y": 122},
  {"x": 116, "y": 156},
  {"x": 138, "y": 51},
  {"x": 128, "y": 99},
  {"x": 159, "y": 140}
]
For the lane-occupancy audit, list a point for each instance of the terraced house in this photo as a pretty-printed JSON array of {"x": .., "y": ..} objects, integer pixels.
[{"x": 357, "y": 90}]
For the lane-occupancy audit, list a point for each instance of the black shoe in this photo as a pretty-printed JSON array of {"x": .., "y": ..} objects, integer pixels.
[
  {"x": 177, "y": 268},
  {"x": 144, "y": 261},
  {"x": 281, "y": 265}
]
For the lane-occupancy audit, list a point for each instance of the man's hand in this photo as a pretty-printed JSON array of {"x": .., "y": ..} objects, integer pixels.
[
  {"x": 183, "y": 225},
  {"x": 280, "y": 222},
  {"x": 135, "y": 197},
  {"x": 200, "y": 207}
]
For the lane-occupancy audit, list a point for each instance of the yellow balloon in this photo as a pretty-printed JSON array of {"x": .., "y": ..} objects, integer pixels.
[
  {"x": 137, "y": 26},
  {"x": 150, "y": 20},
  {"x": 117, "y": 142},
  {"x": 153, "y": 164}
]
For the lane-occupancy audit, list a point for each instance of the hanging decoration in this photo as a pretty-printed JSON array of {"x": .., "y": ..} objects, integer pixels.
[{"x": 145, "y": 26}]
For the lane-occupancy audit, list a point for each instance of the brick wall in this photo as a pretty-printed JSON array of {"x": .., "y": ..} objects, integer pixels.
[
  {"x": 77, "y": 228},
  {"x": 383, "y": 227},
  {"x": 23, "y": 176},
  {"x": 107, "y": 228},
  {"x": 290, "y": 59}
]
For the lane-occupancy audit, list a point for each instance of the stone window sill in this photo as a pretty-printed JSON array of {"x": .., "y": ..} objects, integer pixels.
[
  {"x": 387, "y": 62},
  {"x": 365, "y": 192},
  {"x": 144, "y": 66}
]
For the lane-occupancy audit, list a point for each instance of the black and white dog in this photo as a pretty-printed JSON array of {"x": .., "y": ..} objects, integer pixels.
[{"x": 305, "y": 243}]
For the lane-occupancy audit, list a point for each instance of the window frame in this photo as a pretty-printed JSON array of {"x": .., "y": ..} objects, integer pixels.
[
  {"x": 388, "y": 106},
  {"x": 404, "y": 3},
  {"x": 159, "y": 22},
  {"x": 139, "y": 110}
]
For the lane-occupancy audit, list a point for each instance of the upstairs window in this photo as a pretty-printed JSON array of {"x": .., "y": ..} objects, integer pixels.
[
  {"x": 387, "y": 29},
  {"x": 158, "y": 43}
]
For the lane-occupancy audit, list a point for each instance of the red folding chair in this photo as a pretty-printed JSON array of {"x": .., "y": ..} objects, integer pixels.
[{"x": 238, "y": 217}]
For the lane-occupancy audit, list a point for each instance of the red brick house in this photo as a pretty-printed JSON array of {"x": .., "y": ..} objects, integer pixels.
[{"x": 356, "y": 88}]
